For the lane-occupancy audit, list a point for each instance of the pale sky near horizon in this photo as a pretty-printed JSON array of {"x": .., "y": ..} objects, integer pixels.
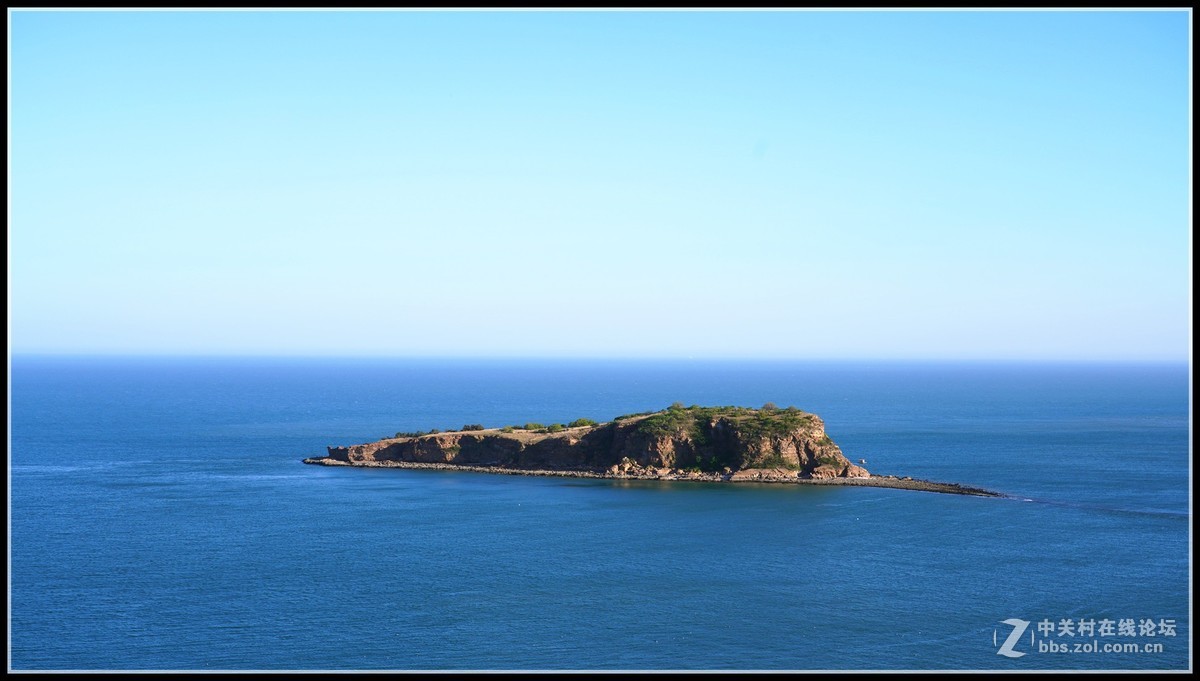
[{"x": 886, "y": 185}]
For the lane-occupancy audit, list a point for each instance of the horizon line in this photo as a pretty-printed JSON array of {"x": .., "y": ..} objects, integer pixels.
[{"x": 603, "y": 358}]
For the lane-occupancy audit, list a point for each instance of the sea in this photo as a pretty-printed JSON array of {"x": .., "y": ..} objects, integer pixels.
[{"x": 160, "y": 518}]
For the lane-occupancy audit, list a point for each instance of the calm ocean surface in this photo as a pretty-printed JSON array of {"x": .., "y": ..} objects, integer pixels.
[{"x": 161, "y": 519}]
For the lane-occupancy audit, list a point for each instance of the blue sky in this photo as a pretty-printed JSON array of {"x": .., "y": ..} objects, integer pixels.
[{"x": 892, "y": 185}]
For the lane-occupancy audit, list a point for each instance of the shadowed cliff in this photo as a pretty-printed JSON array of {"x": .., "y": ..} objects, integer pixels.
[{"x": 732, "y": 442}]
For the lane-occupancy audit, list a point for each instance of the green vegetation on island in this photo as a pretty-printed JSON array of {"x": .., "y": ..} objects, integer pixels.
[
  {"x": 708, "y": 437},
  {"x": 703, "y": 444},
  {"x": 697, "y": 421}
]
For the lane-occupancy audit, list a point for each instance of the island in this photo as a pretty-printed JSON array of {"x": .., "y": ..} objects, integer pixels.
[{"x": 703, "y": 444}]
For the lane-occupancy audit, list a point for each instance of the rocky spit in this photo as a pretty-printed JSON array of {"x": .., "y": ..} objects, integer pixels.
[
  {"x": 745, "y": 475},
  {"x": 697, "y": 444}
]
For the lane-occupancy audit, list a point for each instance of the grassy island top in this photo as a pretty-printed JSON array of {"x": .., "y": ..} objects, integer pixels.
[{"x": 766, "y": 421}]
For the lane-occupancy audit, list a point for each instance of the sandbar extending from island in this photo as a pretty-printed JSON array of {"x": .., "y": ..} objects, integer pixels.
[{"x": 699, "y": 444}]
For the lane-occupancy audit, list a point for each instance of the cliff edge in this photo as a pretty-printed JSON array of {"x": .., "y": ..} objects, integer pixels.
[{"x": 726, "y": 443}]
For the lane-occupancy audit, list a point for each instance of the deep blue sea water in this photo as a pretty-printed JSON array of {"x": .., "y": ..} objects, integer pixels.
[{"x": 160, "y": 518}]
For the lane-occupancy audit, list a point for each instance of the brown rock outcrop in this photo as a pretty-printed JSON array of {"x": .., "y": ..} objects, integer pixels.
[{"x": 731, "y": 443}]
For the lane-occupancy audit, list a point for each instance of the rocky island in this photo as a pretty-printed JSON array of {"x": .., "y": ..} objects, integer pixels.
[{"x": 713, "y": 444}]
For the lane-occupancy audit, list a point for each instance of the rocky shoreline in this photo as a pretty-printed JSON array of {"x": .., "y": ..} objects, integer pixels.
[
  {"x": 778, "y": 476},
  {"x": 697, "y": 444}
]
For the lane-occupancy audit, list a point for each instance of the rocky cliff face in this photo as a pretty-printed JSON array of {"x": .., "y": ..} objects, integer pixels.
[{"x": 732, "y": 441}]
